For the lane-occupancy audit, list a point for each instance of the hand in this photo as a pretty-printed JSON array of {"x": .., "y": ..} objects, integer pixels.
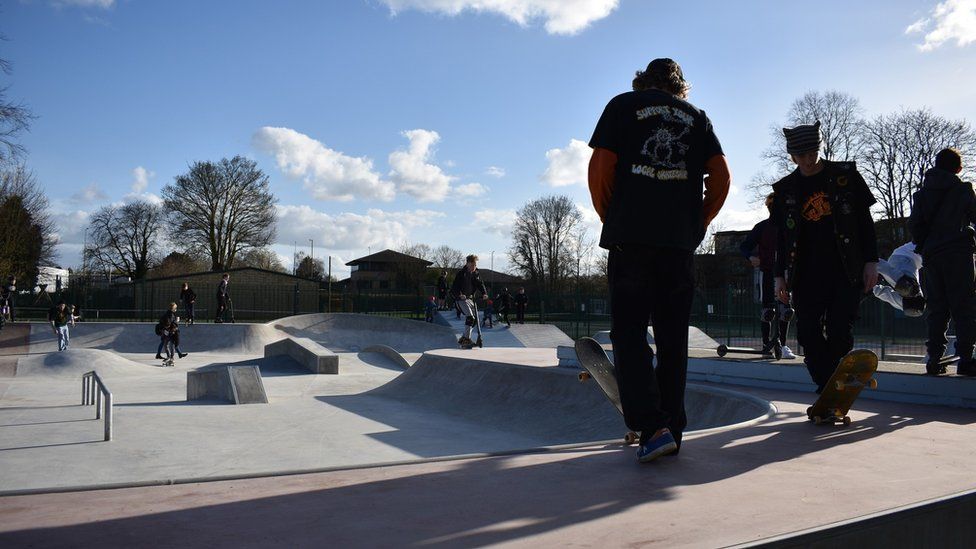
[
  {"x": 870, "y": 276},
  {"x": 754, "y": 260},
  {"x": 782, "y": 293},
  {"x": 462, "y": 297}
]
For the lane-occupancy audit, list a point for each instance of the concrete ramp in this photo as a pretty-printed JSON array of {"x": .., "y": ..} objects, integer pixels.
[
  {"x": 540, "y": 335},
  {"x": 548, "y": 404},
  {"x": 75, "y": 362},
  {"x": 234, "y": 384},
  {"x": 140, "y": 337},
  {"x": 347, "y": 332},
  {"x": 697, "y": 339}
]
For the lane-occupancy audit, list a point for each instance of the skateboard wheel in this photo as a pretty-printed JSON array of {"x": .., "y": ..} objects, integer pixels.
[
  {"x": 847, "y": 420},
  {"x": 631, "y": 437},
  {"x": 583, "y": 376},
  {"x": 840, "y": 385},
  {"x": 721, "y": 350},
  {"x": 873, "y": 383}
]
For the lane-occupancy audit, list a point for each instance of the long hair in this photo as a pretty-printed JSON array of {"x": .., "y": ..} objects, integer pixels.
[{"x": 664, "y": 75}]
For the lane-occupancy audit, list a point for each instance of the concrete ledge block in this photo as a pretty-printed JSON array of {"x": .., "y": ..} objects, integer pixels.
[
  {"x": 314, "y": 357},
  {"x": 235, "y": 384}
]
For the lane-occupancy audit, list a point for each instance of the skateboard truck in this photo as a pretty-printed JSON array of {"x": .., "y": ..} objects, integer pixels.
[{"x": 723, "y": 350}]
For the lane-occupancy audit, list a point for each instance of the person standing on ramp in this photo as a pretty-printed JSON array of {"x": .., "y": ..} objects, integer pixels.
[
  {"x": 827, "y": 253},
  {"x": 657, "y": 178},
  {"x": 467, "y": 281}
]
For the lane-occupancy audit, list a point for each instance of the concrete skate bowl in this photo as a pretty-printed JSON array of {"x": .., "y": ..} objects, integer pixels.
[
  {"x": 75, "y": 362},
  {"x": 351, "y": 333},
  {"x": 527, "y": 406},
  {"x": 140, "y": 337}
]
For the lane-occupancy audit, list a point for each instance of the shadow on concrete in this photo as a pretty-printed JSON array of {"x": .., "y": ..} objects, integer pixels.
[
  {"x": 196, "y": 403},
  {"x": 275, "y": 366},
  {"x": 468, "y": 503},
  {"x": 378, "y": 360}
]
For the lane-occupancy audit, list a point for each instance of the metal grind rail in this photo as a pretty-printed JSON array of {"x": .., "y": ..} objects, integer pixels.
[{"x": 94, "y": 392}]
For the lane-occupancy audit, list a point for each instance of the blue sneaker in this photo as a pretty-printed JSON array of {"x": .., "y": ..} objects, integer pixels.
[{"x": 656, "y": 447}]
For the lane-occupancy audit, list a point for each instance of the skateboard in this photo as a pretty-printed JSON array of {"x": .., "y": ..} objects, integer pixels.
[
  {"x": 946, "y": 361},
  {"x": 723, "y": 350},
  {"x": 597, "y": 365},
  {"x": 168, "y": 362},
  {"x": 854, "y": 372}
]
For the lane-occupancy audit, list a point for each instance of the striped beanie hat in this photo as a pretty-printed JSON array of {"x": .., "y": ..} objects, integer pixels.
[{"x": 803, "y": 138}]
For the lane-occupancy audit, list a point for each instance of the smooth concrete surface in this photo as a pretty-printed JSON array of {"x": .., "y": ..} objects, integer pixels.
[
  {"x": 450, "y": 402},
  {"x": 140, "y": 337},
  {"x": 347, "y": 332},
  {"x": 314, "y": 357},
  {"x": 697, "y": 339},
  {"x": 780, "y": 476},
  {"x": 514, "y": 336},
  {"x": 390, "y": 353},
  {"x": 234, "y": 384}
]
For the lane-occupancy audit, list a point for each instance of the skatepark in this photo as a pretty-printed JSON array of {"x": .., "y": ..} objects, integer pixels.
[{"x": 415, "y": 442}]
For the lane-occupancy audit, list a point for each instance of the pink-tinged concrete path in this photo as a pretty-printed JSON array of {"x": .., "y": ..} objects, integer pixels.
[{"x": 736, "y": 486}]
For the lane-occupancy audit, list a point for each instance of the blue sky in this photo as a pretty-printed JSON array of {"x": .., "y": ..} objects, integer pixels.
[{"x": 388, "y": 121}]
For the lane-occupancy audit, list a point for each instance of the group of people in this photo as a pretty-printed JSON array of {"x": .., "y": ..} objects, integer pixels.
[
  {"x": 168, "y": 327},
  {"x": 657, "y": 178},
  {"x": 469, "y": 272}
]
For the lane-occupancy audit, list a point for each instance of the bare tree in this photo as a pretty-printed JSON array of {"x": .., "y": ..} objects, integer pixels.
[
  {"x": 420, "y": 251},
  {"x": 221, "y": 209},
  {"x": 261, "y": 258},
  {"x": 446, "y": 257},
  {"x": 15, "y": 118},
  {"x": 176, "y": 264},
  {"x": 707, "y": 245},
  {"x": 310, "y": 267},
  {"x": 28, "y": 225},
  {"x": 580, "y": 251},
  {"x": 125, "y": 239},
  {"x": 900, "y": 147},
  {"x": 541, "y": 238},
  {"x": 841, "y": 119}
]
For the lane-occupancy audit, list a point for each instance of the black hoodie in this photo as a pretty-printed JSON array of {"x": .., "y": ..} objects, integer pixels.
[{"x": 942, "y": 212}]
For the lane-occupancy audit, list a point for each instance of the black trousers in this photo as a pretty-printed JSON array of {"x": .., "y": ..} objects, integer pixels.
[
  {"x": 520, "y": 312},
  {"x": 655, "y": 284},
  {"x": 826, "y": 309},
  {"x": 950, "y": 290},
  {"x": 221, "y": 308},
  {"x": 768, "y": 298}
]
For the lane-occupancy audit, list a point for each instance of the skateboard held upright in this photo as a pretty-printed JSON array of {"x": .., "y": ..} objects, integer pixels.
[
  {"x": 854, "y": 372},
  {"x": 597, "y": 365}
]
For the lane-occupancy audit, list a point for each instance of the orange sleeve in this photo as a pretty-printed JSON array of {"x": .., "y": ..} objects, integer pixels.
[
  {"x": 603, "y": 165},
  {"x": 716, "y": 186}
]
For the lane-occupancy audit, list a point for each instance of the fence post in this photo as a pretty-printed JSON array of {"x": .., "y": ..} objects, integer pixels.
[
  {"x": 728, "y": 317},
  {"x": 883, "y": 315}
]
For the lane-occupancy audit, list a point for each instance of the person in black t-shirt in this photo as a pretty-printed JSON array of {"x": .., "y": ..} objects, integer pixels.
[
  {"x": 442, "y": 291},
  {"x": 504, "y": 301},
  {"x": 222, "y": 297},
  {"x": 521, "y": 302},
  {"x": 941, "y": 225},
  {"x": 467, "y": 283},
  {"x": 651, "y": 152},
  {"x": 827, "y": 253},
  {"x": 189, "y": 299}
]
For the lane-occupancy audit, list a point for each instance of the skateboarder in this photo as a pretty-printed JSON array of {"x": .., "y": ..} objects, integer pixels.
[
  {"x": 60, "y": 318},
  {"x": 760, "y": 249},
  {"x": 900, "y": 272},
  {"x": 168, "y": 329},
  {"x": 941, "y": 225},
  {"x": 521, "y": 301},
  {"x": 429, "y": 309},
  {"x": 467, "y": 283},
  {"x": 222, "y": 297},
  {"x": 486, "y": 320},
  {"x": 827, "y": 254},
  {"x": 7, "y": 298},
  {"x": 442, "y": 291},
  {"x": 647, "y": 178},
  {"x": 189, "y": 298},
  {"x": 504, "y": 301}
]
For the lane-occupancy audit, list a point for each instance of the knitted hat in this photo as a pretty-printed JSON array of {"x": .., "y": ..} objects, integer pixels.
[{"x": 803, "y": 138}]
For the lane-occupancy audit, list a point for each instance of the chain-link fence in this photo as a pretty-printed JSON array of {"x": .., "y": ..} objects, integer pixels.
[{"x": 730, "y": 315}]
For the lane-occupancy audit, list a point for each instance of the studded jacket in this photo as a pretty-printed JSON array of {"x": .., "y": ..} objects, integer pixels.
[{"x": 850, "y": 202}]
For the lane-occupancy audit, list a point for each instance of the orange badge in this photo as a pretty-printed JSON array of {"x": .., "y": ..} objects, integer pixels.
[{"x": 816, "y": 207}]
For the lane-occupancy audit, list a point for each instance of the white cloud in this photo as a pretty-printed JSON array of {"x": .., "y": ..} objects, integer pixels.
[
  {"x": 137, "y": 197},
  {"x": 88, "y": 194},
  {"x": 730, "y": 219},
  {"x": 327, "y": 174},
  {"x": 140, "y": 179},
  {"x": 470, "y": 190},
  {"x": 412, "y": 171},
  {"x": 350, "y": 231},
  {"x": 495, "y": 171},
  {"x": 950, "y": 20},
  {"x": 103, "y": 4},
  {"x": 567, "y": 166},
  {"x": 560, "y": 16},
  {"x": 495, "y": 221}
]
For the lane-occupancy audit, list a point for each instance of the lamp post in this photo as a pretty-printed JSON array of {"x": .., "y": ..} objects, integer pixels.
[
  {"x": 491, "y": 290},
  {"x": 330, "y": 283}
]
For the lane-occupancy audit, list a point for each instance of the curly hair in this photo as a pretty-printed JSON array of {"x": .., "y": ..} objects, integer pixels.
[{"x": 662, "y": 74}]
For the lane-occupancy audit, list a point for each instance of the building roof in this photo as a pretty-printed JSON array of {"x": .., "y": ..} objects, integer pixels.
[
  {"x": 234, "y": 270},
  {"x": 389, "y": 256}
]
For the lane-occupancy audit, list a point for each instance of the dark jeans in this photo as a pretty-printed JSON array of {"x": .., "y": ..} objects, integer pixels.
[
  {"x": 655, "y": 284},
  {"x": 520, "y": 313},
  {"x": 826, "y": 309},
  {"x": 221, "y": 308},
  {"x": 768, "y": 298},
  {"x": 950, "y": 290},
  {"x": 189, "y": 311}
]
